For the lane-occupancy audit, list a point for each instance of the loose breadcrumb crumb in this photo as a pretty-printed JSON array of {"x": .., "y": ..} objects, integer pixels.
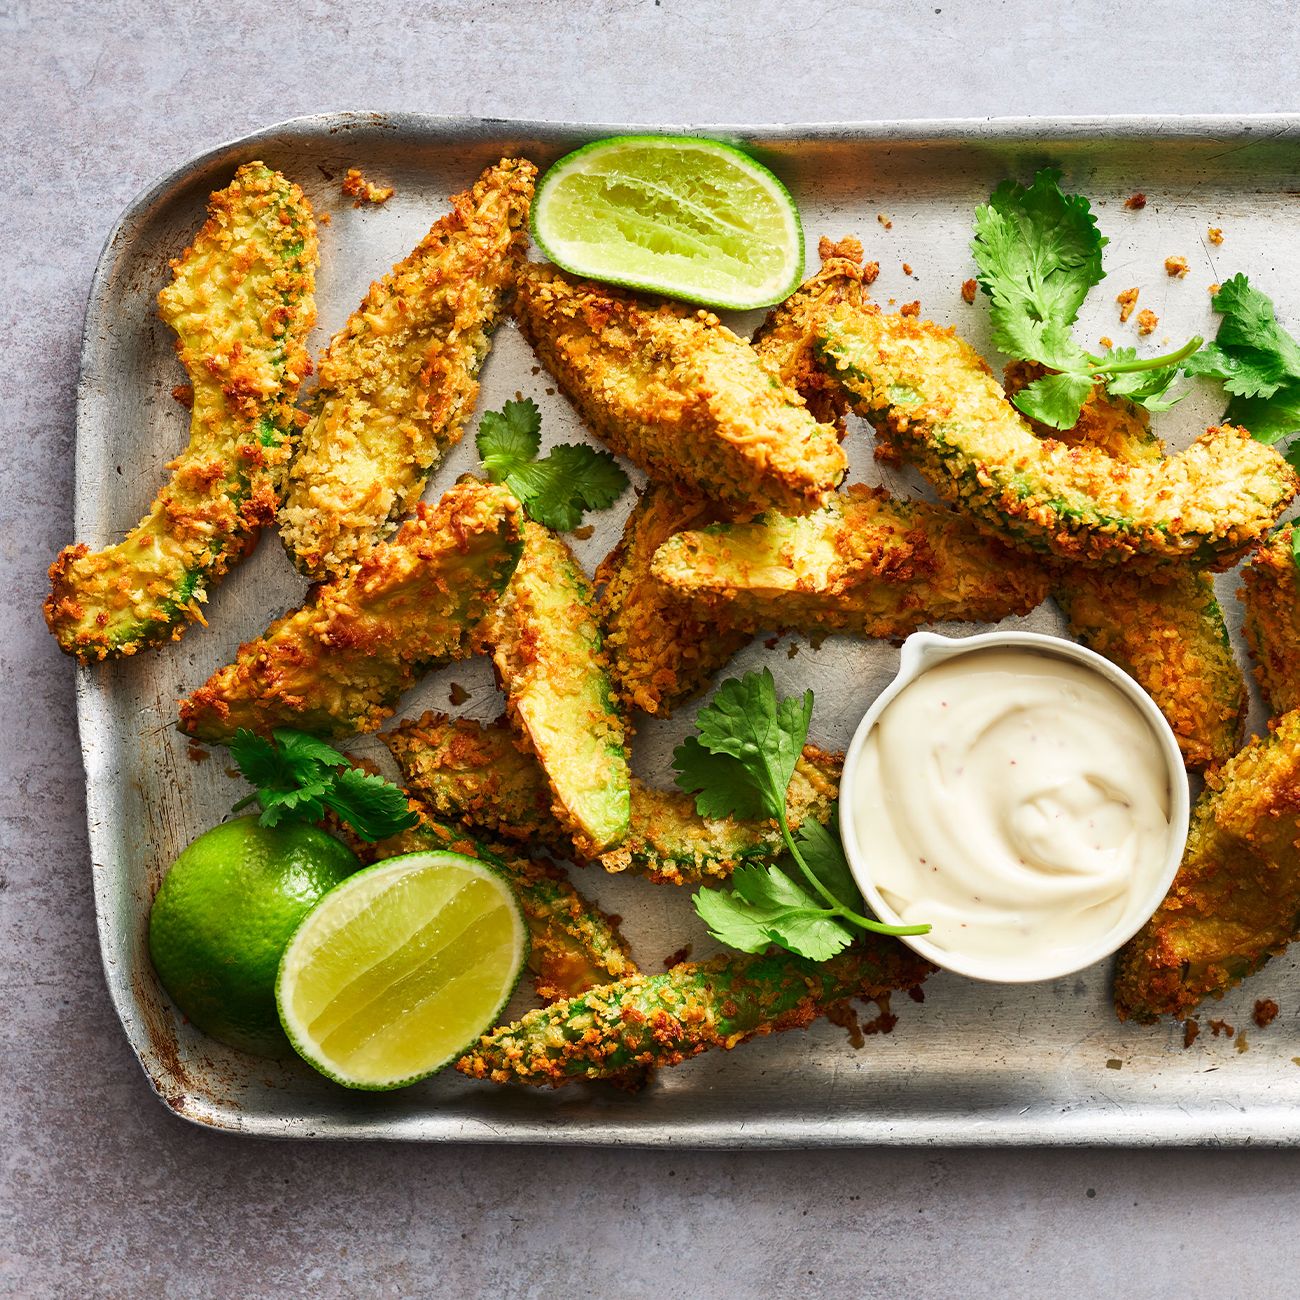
[
  {"x": 184, "y": 394},
  {"x": 884, "y": 221},
  {"x": 1214, "y": 235},
  {"x": 870, "y": 273},
  {"x": 1191, "y": 1028},
  {"x": 1106, "y": 341},
  {"x": 1218, "y": 1027},
  {"x": 1214, "y": 288},
  {"x": 1241, "y": 1044},
  {"x": 1176, "y": 266},
  {"x": 356, "y": 186},
  {"x": 912, "y": 308},
  {"x": 324, "y": 219},
  {"x": 1136, "y": 202},
  {"x": 850, "y": 246},
  {"x": 968, "y": 289},
  {"x": 1147, "y": 321},
  {"x": 907, "y": 268},
  {"x": 1265, "y": 1012},
  {"x": 457, "y": 694},
  {"x": 1127, "y": 300}
]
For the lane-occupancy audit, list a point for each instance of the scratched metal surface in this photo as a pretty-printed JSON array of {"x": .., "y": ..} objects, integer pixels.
[{"x": 974, "y": 1063}]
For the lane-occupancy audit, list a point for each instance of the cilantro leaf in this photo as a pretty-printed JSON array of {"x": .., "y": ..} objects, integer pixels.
[
  {"x": 571, "y": 478},
  {"x": 822, "y": 851},
  {"x": 373, "y": 807},
  {"x": 1252, "y": 354},
  {"x": 298, "y": 777},
  {"x": 1055, "y": 400},
  {"x": 720, "y": 783},
  {"x": 765, "y": 906},
  {"x": 509, "y": 438},
  {"x": 1140, "y": 382},
  {"x": 1038, "y": 251},
  {"x": 556, "y": 489},
  {"x": 1256, "y": 360},
  {"x": 740, "y": 762},
  {"x": 765, "y": 736}
]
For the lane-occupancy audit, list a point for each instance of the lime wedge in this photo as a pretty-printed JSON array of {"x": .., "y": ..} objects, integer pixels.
[
  {"x": 672, "y": 214},
  {"x": 399, "y": 969}
]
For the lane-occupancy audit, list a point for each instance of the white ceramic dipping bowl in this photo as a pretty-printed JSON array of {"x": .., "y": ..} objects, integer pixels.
[{"x": 925, "y": 650}]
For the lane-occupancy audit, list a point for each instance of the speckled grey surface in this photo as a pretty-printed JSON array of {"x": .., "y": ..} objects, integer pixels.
[{"x": 104, "y": 1193}]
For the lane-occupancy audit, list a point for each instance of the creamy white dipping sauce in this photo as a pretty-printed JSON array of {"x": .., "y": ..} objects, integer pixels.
[{"x": 1016, "y": 801}]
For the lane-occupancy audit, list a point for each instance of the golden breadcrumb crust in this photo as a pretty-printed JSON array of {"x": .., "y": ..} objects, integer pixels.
[
  {"x": 241, "y": 303},
  {"x": 474, "y": 773},
  {"x": 662, "y": 1020},
  {"x": 1170, "y": 637},
  {"x": 399, "y": 380},
  {"x": 339, "y": 664},
  {"x": 786, "y": 340},
  {"x": 679, "y": 395},
  {"x": 1236, "y": 899},
  {"x": 574, "y": 944},
  {"x": 1165, "y": 629},
  {"x": 661, "y": 651},
  {"x": 1270, "y": 596},
  {"x": 544, "y": 639},
  {"x": 938, "y": 402},
  {"x": 867, "y": 564}
]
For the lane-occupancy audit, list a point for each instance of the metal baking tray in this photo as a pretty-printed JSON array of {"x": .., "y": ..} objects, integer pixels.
[{"x": 973, "y": 1063}]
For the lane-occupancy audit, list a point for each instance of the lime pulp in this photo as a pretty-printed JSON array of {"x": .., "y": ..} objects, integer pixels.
[
  {"x": 401, "y": 968},
  {"x": 678, "y": 215}
]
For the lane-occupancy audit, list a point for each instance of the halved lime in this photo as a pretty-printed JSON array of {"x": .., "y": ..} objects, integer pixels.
[
  {"x": 400, "y": 968},
  {"x": 672, "y": 214}
]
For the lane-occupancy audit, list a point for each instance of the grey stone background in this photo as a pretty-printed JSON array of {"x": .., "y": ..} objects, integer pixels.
[{"x": 102, "y": 1192}]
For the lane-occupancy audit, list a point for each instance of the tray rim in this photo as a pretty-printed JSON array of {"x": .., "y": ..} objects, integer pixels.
[{"x": 1096, "y": 1125}]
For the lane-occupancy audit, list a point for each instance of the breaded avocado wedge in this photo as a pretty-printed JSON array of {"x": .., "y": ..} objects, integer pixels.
[
  {"x": 544, "y": 639},
  {"x": 866, "y": 564},
  {"x": 340, "y": 663},
  {"x": 939, "y": 404},
  {"x": 680, "y": 395},
  {"x": 241, "y": 302},
  {"x": 472, "y": 773}
]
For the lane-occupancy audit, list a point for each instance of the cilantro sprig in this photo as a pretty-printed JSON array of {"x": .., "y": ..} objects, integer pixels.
[
  {"x": 299, "y": 778},
  {"x": 739, "y": 763},
  {"x": 556, "y": 489},
  {"x": 1038, "y": 251},
  {"x": 1257, "y": 361}
]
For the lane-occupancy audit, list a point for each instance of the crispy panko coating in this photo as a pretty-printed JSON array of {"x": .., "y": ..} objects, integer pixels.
[
  {"x": 1236, "y": 900},
  {"x": 1165, "y": 630},
  {"x": 1170, "y": 637},
  {"x": 1114, "y": 425},
  {"x": 472, "y": 773},
  {"x": 866, "y": 564},
  {"x": 241, "y": 303},
  {"x": 401, "y": 377},
  {"x": 544, "y": 638},
  {"x": 660, "y": 650},
  {"x": 662, "y": 1020},
  {"x": 786, "y": 340},
  {"x": 575, "y": 946},
  {"x": 339, "y": 664},
  {"x": 680, "y": 395},
  {"x": 938, "y": 402},
  {"x": 1270, "y": 595}
]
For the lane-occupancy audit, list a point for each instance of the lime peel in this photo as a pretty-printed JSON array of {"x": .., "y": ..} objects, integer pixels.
[
  {"x": 683, "y": 216},
  {"x": 399, "y": 969}
]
